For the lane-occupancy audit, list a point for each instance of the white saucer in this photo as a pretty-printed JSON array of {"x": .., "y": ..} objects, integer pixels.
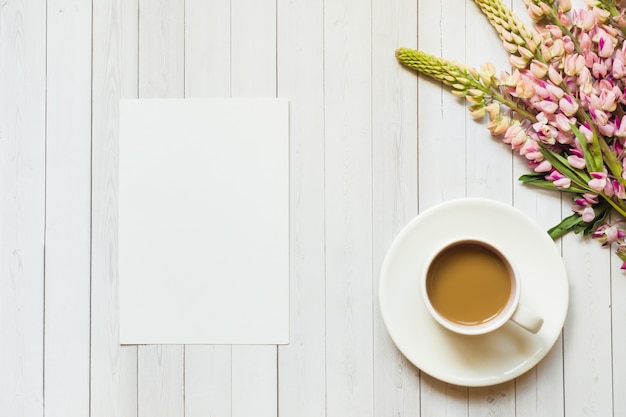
[{"x": 473, "y": 360}]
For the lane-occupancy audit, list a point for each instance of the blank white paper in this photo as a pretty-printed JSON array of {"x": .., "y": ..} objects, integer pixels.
[{"x": 204, "y": 221}]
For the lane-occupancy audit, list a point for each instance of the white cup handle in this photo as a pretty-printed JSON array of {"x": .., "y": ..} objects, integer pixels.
[{"x": 527, "y": 319}]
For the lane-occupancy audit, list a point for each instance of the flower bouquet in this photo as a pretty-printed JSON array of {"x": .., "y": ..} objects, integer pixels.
[{"x": 562, "y": 106}]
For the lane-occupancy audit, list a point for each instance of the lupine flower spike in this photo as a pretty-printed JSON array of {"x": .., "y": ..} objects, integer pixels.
[{"x": 562, "y": 107}]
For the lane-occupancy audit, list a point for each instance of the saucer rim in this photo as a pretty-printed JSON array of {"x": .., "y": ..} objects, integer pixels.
[{"x": 557, "y": 313}]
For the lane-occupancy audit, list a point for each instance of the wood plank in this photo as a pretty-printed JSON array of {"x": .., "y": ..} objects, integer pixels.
[
  {"x": 489, "y": 175},
  {"x": 161, "y": 49},
  {"x": 618, "y": 336},
  {"x": 207, "y": 48},
  {"x": 160, "y": 380},
  {"x": 442, "y": 164},
  {"x": 207, "y": 381},
  {"x": 539, "y": 392},
  {"x": 22, "y": 206},
  {"x": 302, "y": 378},
  {"x": 254, "y": 386},
  {"x": 587, "y": 372},
  {"x": 348, "y": 156},
  {"x": 207, "y": 74},
  {"x": 68, "y": 209},
  {"x": 394, "y": 153},
  {"x": 497, "y": 400},
  {"x": 253, "y": 74},
  {"x": 114, "y": 64},
  {"x": 253, "y": 48}
]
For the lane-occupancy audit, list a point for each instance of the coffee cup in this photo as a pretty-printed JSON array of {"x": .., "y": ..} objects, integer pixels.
[{"x": 470, "y": 287}]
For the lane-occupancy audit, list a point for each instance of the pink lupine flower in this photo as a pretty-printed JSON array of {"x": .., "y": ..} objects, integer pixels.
[
  {"x": 574, "y": 64},
  {"x": 559, "y": 80},
  {"x": 565, "y": 6},
  {"x": 576, "y": 161},
  {"x": 535, "y": 12},
  {"x": 587, "y": 133},
  {"x": 599, "y": 69},
  {"x": 618, "y": 69},
  {"x": 558, "y": 48},
  {"x": 517, "y": 61},
  {"x": 525, "y": 88},
  {"x": 598, "y": 182},
  {"x": 606, "y": 129},
  {"x": 538, "y": 69},
  {"x": 608, "y": 100},
  {"x": 559, "y": 180},
  {"x": 546, "y": 106},
  {"x": 499, "y": 125},
  {"x": 620, "y": 251},
  {"x": 590, "y": 58},
  {"x": 563, "y": 18},
  {"x": 555, "y": 75},
  {"x": 585, "y": 41},
  {"x": 531, "y": 147},
  {"x": 606, "y": 47},
  {"x": 599, "y": 116},
  {"x": 584, "y": 19},
  {"x": 556, "y": 93},
  {"x": 515, "y": 136},
  {"x": 608, "y": 234},
  {"x": 568, "y": 105},
  {"x": 620, "y": 127},
  {"x": 585, "y": 81},
  {"x": 544, "y": 166},
  {"x": 540, "y": 87},
  {"x": 601, "y": 15},
  {"x": 588, "y": 214},
  {"x": 568, "y": 45},
  {"x": 591, "y": 198},
  {"x": 563, "y": 123},
  {"x": 618, "y": 189}
]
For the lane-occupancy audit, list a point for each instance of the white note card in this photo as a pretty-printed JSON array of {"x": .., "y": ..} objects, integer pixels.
[{"x": 204, "y": 221}]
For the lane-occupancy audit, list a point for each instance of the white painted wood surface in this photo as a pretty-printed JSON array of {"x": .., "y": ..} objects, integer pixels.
[{"x": 372, "y": 145}]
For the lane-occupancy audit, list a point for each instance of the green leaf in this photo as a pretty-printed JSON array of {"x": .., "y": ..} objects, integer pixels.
[
  {"x": 593, "y": 156},
  {"x": 575, "y": 223},
  {"x": 602, "y": 212},
  {"x": 577, "y": 176},
  {"x": 538, "y": 180},
  {"x": 565, "y": 226}
]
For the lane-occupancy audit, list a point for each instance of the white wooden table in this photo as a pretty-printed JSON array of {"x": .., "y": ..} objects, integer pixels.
[{"x": 371, "y": 147}]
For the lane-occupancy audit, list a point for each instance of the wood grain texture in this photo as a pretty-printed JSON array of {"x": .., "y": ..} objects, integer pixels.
[
  {"x": 114, "y": 66},
  {"x": 394, "y": 188},
  {"x": 442, "y": 162},
  {"x": 300, "y": 75},
  {"x": 161, "y": 74},
  {"x": 253, "y": 48},
  {"x": 489, "y": 174},
  {"x": 371, "y": 145},
  {"x": 618, "y": 336},
  {"x": 348, "y": 196},
  {"x": 587, "y": 370},
  {"x": 160, "y": 381},
  {"x": 207, "y": 48},
  {"x": 208, "y": 373},
  {"x": 22, "y": 206},
  {"x": 68, "y": 209},
  {"x": 208, "y": 381},
  {"x": 253, "y": 74},
  {"x": 254, "y": 386}
]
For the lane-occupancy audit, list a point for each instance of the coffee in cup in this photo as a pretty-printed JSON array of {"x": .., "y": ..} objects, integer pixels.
[{"x": 470, "y": 287}]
